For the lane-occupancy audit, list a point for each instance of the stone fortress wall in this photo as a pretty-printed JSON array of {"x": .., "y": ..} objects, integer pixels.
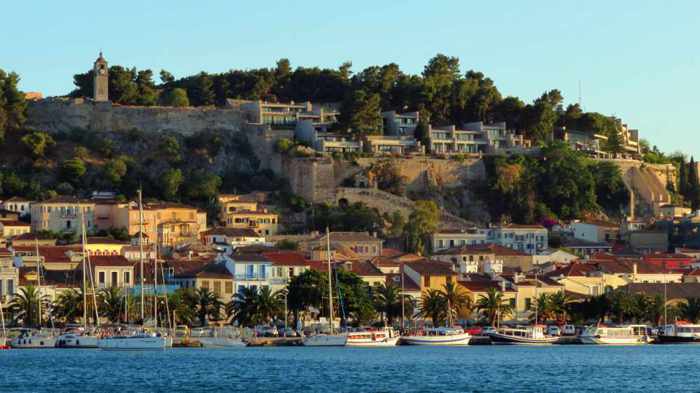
[{"x": 65, "y": 115}]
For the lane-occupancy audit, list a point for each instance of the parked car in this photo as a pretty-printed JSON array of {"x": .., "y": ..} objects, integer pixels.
[
  {"x": 474, "y": 330},
  {"x": 487, "y": 330},
  {"x": 553, "y": 330},
  {"x": 568, "y": 330},
  {"x": 266, "y": 331}
]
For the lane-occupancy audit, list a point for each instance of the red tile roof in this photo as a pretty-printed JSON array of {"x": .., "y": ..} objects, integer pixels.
[
  {"x": 408, "y": 283},
  {"x": 110, "y": 260},
  {"x": 286, "y": 258},
  {"x": 14, "y": 224},
  {"x": 431, "y": 267}
]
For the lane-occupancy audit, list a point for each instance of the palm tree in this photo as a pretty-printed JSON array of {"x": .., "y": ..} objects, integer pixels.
[
  {"x": 182, "y": 304},
  {"x": 111, "y": 303},
  {"x": 69, "y": 305},
  {"x": 387, "y": 301},
  {"x": 493, "y": 305},
  {"x": 242, "y": 308},
  {"x": 559, "y": 303},
  {"x": 433, "y": 306},
  {"x": 208, "y": 305},
  {"x": 25, "y": 306},
  {"x": 543, "y": 306},
  {"x": 268, "y": 304},
  {"x": 458, "y": 301},
  {"x": 690, "y": 309}
]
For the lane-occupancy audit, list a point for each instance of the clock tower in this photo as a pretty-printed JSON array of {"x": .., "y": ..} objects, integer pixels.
[{"x": 100, "y": 80}]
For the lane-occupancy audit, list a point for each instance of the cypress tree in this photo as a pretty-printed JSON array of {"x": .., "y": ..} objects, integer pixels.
[
  {"x": 693, "y": 185},
  {"x": 683, "y": 179}
]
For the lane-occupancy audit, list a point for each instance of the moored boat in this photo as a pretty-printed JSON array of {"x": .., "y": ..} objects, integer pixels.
[
  {"x": 32, "y": 339},
  {"x": 438, "y": 336},
  {"x": 76, "y": 340},
  {"x": 529, "y": 335},
  {"x": 325, "y": 340},
  {"x": 386, "y": 337},
  {"x": 135, "y": 342},
  {"x": 615, "y": 335},
  {"x": 679, "y": 333}
]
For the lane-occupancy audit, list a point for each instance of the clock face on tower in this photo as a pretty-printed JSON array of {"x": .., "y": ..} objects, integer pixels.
[{"x": 102, "y": 71}]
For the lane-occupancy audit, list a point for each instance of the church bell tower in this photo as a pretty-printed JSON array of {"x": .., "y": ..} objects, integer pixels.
[{"x": 100, "y": 80}]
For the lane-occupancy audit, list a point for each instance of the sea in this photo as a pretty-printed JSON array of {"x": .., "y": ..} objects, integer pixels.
[{"x": 564, "y": 368}]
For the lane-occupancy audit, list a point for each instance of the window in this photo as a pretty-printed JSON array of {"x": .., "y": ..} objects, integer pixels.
[
  {"x": 205, "y": 284},
  {"x": 67, "y": 224},
  {"x": 228, "y": 288},
  {"x": 217, "y": 288},
  {"x": 101, "y": 278},
  {"x": 127, "y": 278},
  {"x": 10, "y": 287},
  {"x": 426, "y": 281},
  {"x": 115, "y": 279},
  {"x": 250, "y": 271},
  {"x": 528, "y": 302}
]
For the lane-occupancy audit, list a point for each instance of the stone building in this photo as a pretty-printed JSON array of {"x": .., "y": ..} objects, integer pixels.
[{"x": 100, "y": 80}]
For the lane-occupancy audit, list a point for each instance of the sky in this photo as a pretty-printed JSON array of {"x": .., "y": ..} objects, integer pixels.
[{"x": 637, "y": 60}]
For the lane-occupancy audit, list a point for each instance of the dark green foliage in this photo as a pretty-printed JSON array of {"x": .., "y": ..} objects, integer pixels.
[
  {"x": 361, "y": 113},
  {"x": 12, "y": 104},
  {"x": 561, "y": 183},
  {"x": 175, "y": 97},
  {"x": 353, "y": 217},
  {"x": 37, "y": 142}
]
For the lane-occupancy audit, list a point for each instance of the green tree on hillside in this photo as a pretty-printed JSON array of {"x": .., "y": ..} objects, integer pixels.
[
  {"x": 422, "y": 222},
  {"x": 361, "y": 113},
  {"x": 37, "y": 142},
  {"x": 12, "y": 104},
  {"x": 176, "y": 97}
]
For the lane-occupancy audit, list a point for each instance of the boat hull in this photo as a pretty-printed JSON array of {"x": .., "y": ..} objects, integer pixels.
[
  {"x": 454, "y": 340},
  {"x": 369, "y": 343},
  {"x": 612, "y": 340},
  {"x": 132, "y": 343},
  {"x": 662, "y": 339},
  {"x": 325, "y": 340},
  {"x": 221, "y": 342},
  {"x": 498, "y": 338},
  {"x": 33, "y": 342},
  {"x": 74, "y": 341}
]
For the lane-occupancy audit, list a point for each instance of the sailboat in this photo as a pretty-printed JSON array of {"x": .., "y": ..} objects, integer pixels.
[
  {"x": 81, "y": 338},
  {"x": 330, "y": 339},
  {"x": 140, "y": 340},
  {"x": 30, "y": 338}
]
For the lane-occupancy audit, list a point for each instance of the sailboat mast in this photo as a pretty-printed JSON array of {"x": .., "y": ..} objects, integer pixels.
[
  {"x": 330, "y": 278},
  {"x": 141, "y": 253},
  {"x": 83, "y": 241},
  {"x": 403, "y": 307},
  {"x": 38, "y": 276},
  {"x": 155, "y": 288}
]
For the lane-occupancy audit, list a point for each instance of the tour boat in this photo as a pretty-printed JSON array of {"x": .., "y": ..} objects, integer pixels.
[
  {"x": 680, "y": 332},
  {"x": 617, "y": 335},
  {"x": 529, "y": 335},
  {"x": 135, "y": 342},
  {"x": 76, "y": 340},
  {"x": 438, "y": 336},
  {"x": 386, "y": 337},
  {"x": 32, "y": 339}
]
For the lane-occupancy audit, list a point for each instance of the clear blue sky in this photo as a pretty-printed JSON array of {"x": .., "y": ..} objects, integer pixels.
[{"x": 639, "y": 60}]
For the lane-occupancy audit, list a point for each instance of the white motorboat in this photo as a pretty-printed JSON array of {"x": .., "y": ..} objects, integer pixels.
[
  {"x": 529, "y": 335},
  {"x": 218, "y": 338},
  {"x": 325, "y": 340},
  {"x": 76, "y": 340},
  {"x": 615, "y": 335},
  {"x": 136, "y": 342},
  {"x": 438, "y": 336},
  {"x": 31, "y": 339},
  {"x": 386, "y": 337}
]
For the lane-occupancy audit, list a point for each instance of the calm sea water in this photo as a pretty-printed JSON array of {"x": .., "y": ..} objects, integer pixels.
[{"x": 402, "y": 369}]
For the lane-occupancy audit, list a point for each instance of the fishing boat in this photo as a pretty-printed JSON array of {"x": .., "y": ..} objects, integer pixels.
[
  {"x": 140, "y": 341},
  {"x": 615, "y": 335},
  {"x": 528, "y": 335},
  {"x": 449, "y": 336},
  {"x": 386, "y": 337},
  {"x": 679, "y": 333},
  {"x": 331, "y": 339},
  {"x": 33, "y": 339}
]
